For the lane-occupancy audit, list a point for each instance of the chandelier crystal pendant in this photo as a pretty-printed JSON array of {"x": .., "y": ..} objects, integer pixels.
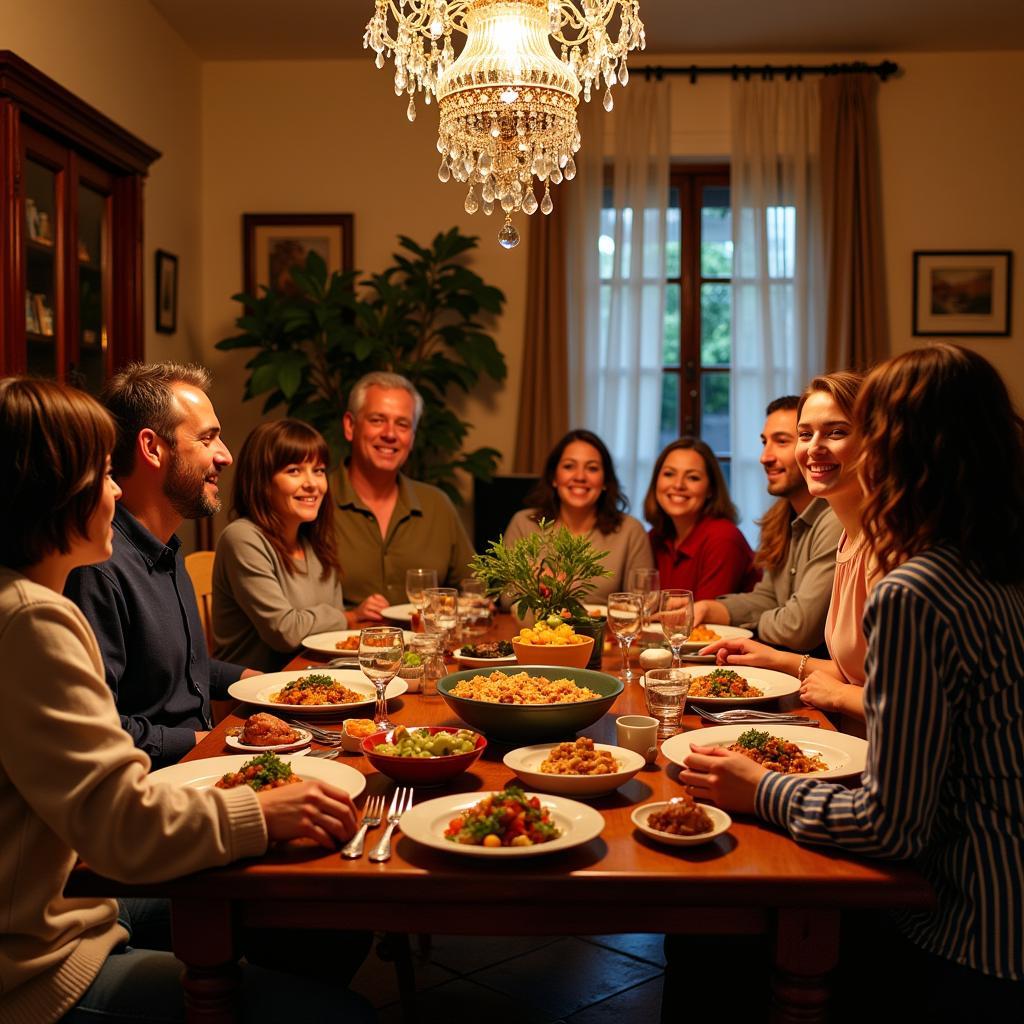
[{"x": 508, "y": 103}]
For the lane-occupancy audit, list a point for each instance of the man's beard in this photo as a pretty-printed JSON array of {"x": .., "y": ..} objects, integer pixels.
[{"x": 185, "y": 489}]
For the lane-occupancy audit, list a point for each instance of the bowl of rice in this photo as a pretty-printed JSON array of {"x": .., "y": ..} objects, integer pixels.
[{"x": 530, "y": 702}]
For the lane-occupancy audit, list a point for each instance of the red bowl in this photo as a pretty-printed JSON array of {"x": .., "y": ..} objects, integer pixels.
[{"x": 421, "y": 771}]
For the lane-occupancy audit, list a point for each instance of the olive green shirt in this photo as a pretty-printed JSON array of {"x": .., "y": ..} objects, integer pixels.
[{"x": 425, "y": 532}]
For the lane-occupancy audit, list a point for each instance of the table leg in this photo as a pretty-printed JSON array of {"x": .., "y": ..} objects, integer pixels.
[
  {"x": 203, "y": 940},
  {"x": 806, "y": 949}
]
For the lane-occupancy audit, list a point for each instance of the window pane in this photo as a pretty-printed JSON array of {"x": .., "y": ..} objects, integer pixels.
[
  {"x": 669, "y": 408},
  {"x": 674, "y": 242},
  {"x": 714, "y": 411},
  {"x": 606, "y": 243},
  {"x": 780, "y": 222},
  {"x": 670, "y": 342},
  {"x": 715, "y": 232},
  {"x": 715, "y": 324}
]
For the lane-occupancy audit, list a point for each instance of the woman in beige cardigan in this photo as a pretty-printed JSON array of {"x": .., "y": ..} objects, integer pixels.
[{"x": 71, "y": 780}]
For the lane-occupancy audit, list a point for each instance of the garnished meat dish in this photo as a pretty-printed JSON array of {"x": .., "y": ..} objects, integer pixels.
[
  {"x": 723, "y": 682},
  {"x": 264, "y": 771},
  {"x": 316, "y": 688},
  {"x": 681, "y": 816},
  {"x": 265, "y": 730},
  {"x": 776, "y": 754}
]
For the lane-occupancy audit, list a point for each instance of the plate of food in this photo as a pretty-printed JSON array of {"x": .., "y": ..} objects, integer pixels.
[
  {"x": 528, "y": 826},
  {"x": 791, "y": 749},
  {"x": 725, "y": 687},
  {"x": 701, "y": 636},
  {"x": 319, "y": 691},
  {"x": 681, "y": 821},
  {"x": 399, "y": 612},
  {"x": 267, "y": 732},
  {"x": 496, "y": 652},
  {"x": 339, "y": 641},
  {"x": 581, "y": 768},
  {"x": 264, "y": 771}
]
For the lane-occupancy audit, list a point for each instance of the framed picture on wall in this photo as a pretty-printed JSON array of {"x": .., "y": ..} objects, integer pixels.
[
  {"x": 962, "y": 293},
  {"x": 166, "y": 292},
  {"x": 275, "y": 242}
]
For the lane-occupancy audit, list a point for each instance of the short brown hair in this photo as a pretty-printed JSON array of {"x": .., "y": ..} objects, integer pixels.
[
  {"x": 54, "y": 443},
  {"x": 266, "y": 451},
  {"x": 140, "y": 396},
  {"x": 843, "y": 386},
  {"x": 943, "y": 461},
  {"x": 717, "y": 505}
]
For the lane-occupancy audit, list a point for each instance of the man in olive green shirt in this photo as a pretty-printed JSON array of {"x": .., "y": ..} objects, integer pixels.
[{"x": 387, "y": 523}]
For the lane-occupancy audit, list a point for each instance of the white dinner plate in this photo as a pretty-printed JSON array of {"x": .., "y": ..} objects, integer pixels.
[
  {"x": 327, "y": 643},
  {"x": 773, "y": 684},
  {"x": 526, "y": 762},
  {"x": 470, "y": 662},
  {"x": 844, "y": 755},
  {"x": 724, "y": 633},
  {"x": 721, "y": 822},
  {"x": 426, "y": 824},
  {"x": 235, "y": 742},
  {"x": 205, "y": 772},
  {"x": 258, "y": 690},
  {"x": 398, "y": 612}
]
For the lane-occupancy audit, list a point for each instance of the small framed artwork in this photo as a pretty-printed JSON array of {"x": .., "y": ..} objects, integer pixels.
[
  {"x": 166, "y": 292},
  {"x": 962, "y": 293},
  {"x": 275, "y": 242}
]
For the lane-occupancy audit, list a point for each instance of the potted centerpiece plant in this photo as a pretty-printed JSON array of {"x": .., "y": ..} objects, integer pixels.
[{"x": 546, "y": 575}]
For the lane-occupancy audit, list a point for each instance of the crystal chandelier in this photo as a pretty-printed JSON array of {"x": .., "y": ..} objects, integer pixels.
[{"x": 508, "y": 102}]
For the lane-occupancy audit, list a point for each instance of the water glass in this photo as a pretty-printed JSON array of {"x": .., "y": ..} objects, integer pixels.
[
  {"x": 431, "y": 664},
  {"x": 666, "y": 690},
  {"x": 475, "y": 610},
  {"x": 441, "y": 615},
  {"x": 380, "y": 657},
  {"x": 625, "y": 611},
  {"x": 416, "y": 581},
  {"x": 675, "y": 612},
  {"x": 646, "y": 583}
]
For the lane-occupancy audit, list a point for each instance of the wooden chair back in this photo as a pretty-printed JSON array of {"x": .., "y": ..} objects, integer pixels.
[{"x": 199, "y": 566}]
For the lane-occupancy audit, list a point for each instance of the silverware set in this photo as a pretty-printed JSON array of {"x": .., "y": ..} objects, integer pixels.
[
  {"x": 749, "y": 716},
  {"x": 373, "y": 816},
  {"x": 328, "y": 737}
]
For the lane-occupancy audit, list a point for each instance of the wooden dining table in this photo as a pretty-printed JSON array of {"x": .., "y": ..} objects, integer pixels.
[{"x": 752, "y": 880}]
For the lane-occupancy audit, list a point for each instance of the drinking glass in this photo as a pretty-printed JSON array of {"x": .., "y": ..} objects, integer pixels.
[
  {"x": 441, "y": 615},
  {"x": 380, "y": 657},
  {"x": 416, "y": 581},
  {"x": 666, "y": 690},
  {"x": 624, "y": 613},
  {"x": 646, "y": 583},
  {"x": 474, "y": 608},
  {"x": 675, "y": 612}
]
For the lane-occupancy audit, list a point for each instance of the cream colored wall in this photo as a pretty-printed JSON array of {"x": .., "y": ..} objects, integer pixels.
[{"x": 126, "y": 61}]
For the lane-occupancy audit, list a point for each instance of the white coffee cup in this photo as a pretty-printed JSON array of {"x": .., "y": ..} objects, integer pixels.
[{"x": 638, "y": 733}]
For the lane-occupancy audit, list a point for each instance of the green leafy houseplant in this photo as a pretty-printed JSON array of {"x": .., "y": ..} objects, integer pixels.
[
  {"x": 543, "y": 572},
  {"x": 422, "y": 317}
]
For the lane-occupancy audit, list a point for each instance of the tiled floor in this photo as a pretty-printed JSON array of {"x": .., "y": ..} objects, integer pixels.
[{"x": 603, "y": 979}]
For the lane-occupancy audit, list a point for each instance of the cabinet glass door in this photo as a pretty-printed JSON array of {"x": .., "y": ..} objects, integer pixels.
[
  {"x": 40, "y": 269},
  {"x": 93, "y": 288}
]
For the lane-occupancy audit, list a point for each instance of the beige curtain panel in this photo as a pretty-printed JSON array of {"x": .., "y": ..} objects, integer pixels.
[{"x": 857, "y": 331}]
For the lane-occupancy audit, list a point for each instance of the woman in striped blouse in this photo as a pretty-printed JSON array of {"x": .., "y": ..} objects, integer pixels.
[{"x": 943, "y": 470}]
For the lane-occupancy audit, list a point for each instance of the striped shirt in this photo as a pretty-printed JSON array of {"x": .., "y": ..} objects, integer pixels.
[{"x": 944, "y": 783}]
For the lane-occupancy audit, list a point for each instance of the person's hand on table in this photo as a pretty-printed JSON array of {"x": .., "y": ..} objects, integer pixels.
[
  {"x": 722, "y": 776},
  {"x": 371, "y": 608},
  {"x": 750, "y": 652},
  {"x": 821, "y": 689},
  {"x": 248, "y": 672},
  {"x": 713, "y": 612},
  {"x": 200, "y": 736},
  {"x": 309, "y": 810}
]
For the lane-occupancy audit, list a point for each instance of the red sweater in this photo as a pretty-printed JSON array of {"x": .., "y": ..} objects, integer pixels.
[{"x": 714, "y": 559}]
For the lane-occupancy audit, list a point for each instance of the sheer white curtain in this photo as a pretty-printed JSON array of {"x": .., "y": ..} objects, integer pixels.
[
  {"x": 617, "y": 293},
  {"x": 778, "y": 340}
]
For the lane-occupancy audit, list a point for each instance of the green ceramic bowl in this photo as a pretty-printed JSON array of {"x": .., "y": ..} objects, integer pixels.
[{"x": 534, "y": 722}]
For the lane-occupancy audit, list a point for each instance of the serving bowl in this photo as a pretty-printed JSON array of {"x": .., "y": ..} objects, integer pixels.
[
  {"x": 526, "y": 762},
  {"x": 563, "y": 655},
  {"x": 421, "y": 771},
  {"x": 533, "y": 722}
]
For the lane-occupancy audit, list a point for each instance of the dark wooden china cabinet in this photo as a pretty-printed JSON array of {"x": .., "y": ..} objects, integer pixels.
[{"x": 71, "y": 219}]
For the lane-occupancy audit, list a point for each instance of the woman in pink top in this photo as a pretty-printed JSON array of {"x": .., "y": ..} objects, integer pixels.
[{"x": 828, "y": 450}]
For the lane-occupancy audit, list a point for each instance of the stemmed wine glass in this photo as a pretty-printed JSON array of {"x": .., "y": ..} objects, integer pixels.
[
  {"x": 416, "y": 581},
  {"x": 625, "y": 611},
  {"x": 380, "y": 657},
  {"x": 646, "y": 583},
  {"x": 441, "y": 614},
  {"x": 675, "y": 611}
]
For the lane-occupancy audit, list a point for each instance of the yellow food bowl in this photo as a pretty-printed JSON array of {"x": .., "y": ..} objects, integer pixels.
[{"x": 568, "y": 655}]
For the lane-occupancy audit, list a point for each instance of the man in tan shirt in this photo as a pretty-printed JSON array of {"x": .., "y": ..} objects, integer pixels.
[{"x": 386, "y": 522}]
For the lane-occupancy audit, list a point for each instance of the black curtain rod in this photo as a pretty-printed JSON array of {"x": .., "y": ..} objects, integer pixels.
[{"x": 884, "y": 70}]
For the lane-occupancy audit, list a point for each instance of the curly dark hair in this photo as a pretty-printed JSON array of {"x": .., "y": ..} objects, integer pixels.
[
  {"x": 612, "y": 503},
  {"x": 266, "y": 451},
  {"x": 943, "y": 461}
]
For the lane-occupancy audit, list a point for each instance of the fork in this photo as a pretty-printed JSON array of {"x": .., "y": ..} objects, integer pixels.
[
  {"x": 372, "y": 814},
  {"x": 400, "y": 803},
  {"x": 328, "y": 755},
  {"x": 320, "y": 735},
  {"x": 742, "y": 715}
]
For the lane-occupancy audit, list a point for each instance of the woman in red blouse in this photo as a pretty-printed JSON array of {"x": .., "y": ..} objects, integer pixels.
[{"x": 694, "y": 537}]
